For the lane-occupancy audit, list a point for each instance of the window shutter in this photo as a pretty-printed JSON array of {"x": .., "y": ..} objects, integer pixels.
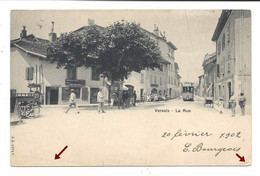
[
  {"x": 31, "y": 73},
  {"x": 84, "y": 93},
  {"x": 218, "y": 75},
  {"x": 27, "y": 73},
  {"x": 65, "y": 94}
]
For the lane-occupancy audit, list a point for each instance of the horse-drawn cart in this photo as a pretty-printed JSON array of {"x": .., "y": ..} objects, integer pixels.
[
  {"x": 24, "y": 105},
  {"x": 209, "y": 101}
]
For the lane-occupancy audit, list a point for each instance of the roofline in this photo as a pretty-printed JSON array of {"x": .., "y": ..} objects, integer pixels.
[
  {"x": 210, "y": 58},
  {"x": 29, "y": 52},
  {"x": 221, "y": 23},
  {"x": 172, "y": 45},
  {"x": 88, "y": 26}
]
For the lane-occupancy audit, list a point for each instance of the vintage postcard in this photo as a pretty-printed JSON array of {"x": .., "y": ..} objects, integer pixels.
[{"x": 130, "y": 88}]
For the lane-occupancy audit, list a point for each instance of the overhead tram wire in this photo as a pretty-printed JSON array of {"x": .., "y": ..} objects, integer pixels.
[{"x": 187, "y": 22}]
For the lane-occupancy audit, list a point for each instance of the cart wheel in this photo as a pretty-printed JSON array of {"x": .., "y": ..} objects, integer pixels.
[{"x": 32, "y": 111}]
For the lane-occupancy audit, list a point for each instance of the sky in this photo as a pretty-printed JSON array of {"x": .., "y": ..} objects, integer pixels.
[{"x": 190, "y": 31}]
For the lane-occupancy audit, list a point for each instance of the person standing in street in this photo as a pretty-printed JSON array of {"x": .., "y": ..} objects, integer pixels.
[
  {"x": 125, "y": 97},
  {"x": 100, "y": 100},
  {"x": 242, "y": 103},
  {"x": 134, "y": 98},
  {"x": 233, "y": 104},
  {"x": 120, "y": 99},
  {"x": 72, "y": 101},
  {"x": 113, "y": 98}
]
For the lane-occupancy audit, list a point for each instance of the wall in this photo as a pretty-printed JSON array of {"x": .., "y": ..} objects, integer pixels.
[
  {"x": 52, "y": 77},
  {"x": 239, "y": 50}
]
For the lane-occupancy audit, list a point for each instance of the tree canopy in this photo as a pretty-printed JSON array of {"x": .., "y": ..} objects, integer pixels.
[{"x": 114, "y": 51}]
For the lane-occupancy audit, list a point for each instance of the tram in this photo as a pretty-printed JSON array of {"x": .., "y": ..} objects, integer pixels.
[{"x": 188, "y": 91}]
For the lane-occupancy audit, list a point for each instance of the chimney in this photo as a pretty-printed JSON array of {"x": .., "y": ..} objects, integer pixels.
[
  {"x": 91, "y": 22},
  {"x": 52, "y": 35},
  {"x": 23, "y": 33},
  {"x": 156, "y": 31},
  {"x": 164, "y": 35}
]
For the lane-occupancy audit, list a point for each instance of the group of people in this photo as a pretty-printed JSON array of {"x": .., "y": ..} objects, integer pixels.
[
  {"x": 241, "y": 102},
  {"x": 156, "y": 97},
  {"x": 233, "y": 103},
  {"x": 124, "y": 99}
]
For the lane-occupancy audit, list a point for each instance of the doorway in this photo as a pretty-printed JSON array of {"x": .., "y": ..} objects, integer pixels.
[
  {"x": 93, "y": 95},
  {"x": 141, "y": 93},
  {"x": 52, "y": 95}
]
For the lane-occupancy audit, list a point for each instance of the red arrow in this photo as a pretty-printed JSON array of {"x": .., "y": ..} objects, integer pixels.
[
  {"x": 242, "y": 159},
  {"x": 58, "y": 156}
]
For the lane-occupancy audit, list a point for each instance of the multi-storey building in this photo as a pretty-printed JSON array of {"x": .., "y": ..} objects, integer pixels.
[
  {"x": 165, "y": 80},
  {"x": 28, "y": 66},
  {"x": 233, "y": 51}
]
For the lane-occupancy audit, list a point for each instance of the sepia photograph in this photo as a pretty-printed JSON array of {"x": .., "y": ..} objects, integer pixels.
[{"x": 130, "y": 87}]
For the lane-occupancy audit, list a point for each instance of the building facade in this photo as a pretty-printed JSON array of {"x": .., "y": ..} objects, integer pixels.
[
  {"x": 209, "y": 67},
  {"x": 166, "y": 79},
  {"x": 233, "y": 51},
  {"x": 28, "y": 66}
]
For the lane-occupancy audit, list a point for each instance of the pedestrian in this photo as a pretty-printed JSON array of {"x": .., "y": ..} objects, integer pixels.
[
  {"x": 242, "y": 103},
  {"x": 125, "y": 99},
  {"x": 72, "y": 101},
  {"x": 100, "y": 100},
  {"x": 112, "y": 99},
  {"x": 120, "y": 99},
  {"x": 233, "y": 104},
  {"x": 143, "y": 98},
  {"x": 220, "y": 105},
  {"x": 134, "y": 98}
]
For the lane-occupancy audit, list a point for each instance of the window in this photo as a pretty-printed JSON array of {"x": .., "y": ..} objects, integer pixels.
[
  {"x": 223, "y": 42},
  {"x": 228, "y": 67},
  {"x": 66, "y": 92},
  {"x": 222, "y": 67},
  {"x": 161, "y": 67},
  {"x": 160, "y": 80},
  {"x": 218, "y": 74},
  {"x": 228, "y": 33},
  {"x": 72, "y": 73},
  {"x": 219, "y": 47},
  {"x": 142, "y": 78},
  {"x": 84, "y": 93},
  {"x": 94, "y": 74},
  {"x": 169, "y": 80},
  {"x": 151, "y": 79},
  {"x": 77, "y": 91},
  {"x": 155, "y": 81},
  {"x": 29, "y": 73}
]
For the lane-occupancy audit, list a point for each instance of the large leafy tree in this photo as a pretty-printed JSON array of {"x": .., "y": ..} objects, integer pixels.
[
  {"x": 76, "y": 49},
  {"x": 114, "y": 51}
]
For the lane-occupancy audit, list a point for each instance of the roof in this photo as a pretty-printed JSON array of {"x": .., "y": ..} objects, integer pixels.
[
  {"x": 221, "y": 23},
  {"x": 201, "y": 76},
  {"x": 210, "y": 59},
  {"x": 172, "y": 45},
  {"x": 87, "y": 27},
  {"x": 37, "y": 46},
  {"x": 32, "y": 45}
]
